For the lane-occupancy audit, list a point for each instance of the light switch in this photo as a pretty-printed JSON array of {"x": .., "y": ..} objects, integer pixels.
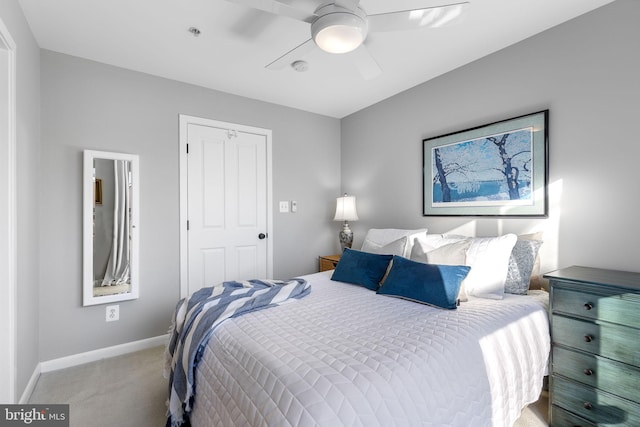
[
  {"x": 294, "y": 206},
  {"x": 284, "y": 206}
]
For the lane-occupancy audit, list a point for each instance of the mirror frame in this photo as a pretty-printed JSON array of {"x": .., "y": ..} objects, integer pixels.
[{"x": 88, "y": 200}]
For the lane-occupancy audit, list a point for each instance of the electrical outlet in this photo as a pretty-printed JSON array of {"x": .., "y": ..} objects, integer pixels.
[
  {"x": 113, "y": 313},
  {"x": 284, "y": 206}
]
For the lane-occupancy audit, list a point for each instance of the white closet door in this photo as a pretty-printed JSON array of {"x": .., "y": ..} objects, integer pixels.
[{"x": 227, "y": 205}]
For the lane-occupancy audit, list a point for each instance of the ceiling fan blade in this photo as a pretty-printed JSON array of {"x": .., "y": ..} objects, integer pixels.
[
  {"x": 417, "y": 18},
  {"x": 252, "y": 24},
  {"x": 277, "y": 8},
  {"x": 347, "y": 4},
  {"x": 365, "y": 63},
  {"x": 292, "y": 55}
]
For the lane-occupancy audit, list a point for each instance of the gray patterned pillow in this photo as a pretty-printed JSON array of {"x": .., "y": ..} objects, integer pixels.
[{"x": 523, "y": 257}]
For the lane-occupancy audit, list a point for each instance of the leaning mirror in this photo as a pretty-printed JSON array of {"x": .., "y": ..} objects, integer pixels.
[{"x": 110, "y": 227}]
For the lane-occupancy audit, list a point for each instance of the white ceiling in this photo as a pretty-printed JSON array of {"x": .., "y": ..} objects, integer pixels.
[{"x": 236, "y": 43}]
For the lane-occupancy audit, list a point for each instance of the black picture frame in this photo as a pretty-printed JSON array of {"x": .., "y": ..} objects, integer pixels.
[{"x": 499, "y": 169}]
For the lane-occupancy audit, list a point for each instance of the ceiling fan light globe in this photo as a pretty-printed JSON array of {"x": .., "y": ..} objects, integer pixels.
[
  {"x": 340, "y": 32},
  {"x": 339, "y": 39}
]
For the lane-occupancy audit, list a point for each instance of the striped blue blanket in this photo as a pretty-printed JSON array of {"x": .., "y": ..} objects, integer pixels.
[{"x": 195, "y": 319}]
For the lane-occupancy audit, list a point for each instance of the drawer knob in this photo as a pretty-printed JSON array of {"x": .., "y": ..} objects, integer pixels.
[
  {"x": 588, "y": 406},
  {"x": 588, "y": 306},
  {"x": 588, "y": 338},
  {"x": 588, "y": 372}
]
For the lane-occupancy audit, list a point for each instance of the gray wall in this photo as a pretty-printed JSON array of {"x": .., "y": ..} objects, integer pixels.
[
  {"x": 28, "y": 183},
  {"x": 586, "y": 73},
  {"x": 88, "y": 105}
]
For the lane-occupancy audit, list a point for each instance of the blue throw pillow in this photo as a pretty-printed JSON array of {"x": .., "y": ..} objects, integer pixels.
[
  {"x": 428, "y": 283},
  {"x": 361, "y": 268}
]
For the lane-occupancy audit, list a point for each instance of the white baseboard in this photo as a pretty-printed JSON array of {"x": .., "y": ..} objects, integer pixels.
[
  {"x": 101, "y": 353},
  {"x": 87, "y": 357},
  {"x": 31, "y": 385}
]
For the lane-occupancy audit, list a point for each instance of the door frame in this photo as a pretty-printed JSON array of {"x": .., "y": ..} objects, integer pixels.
[
  {"x": 185, "y": 121},
  {"x": 9, "y": 224}
]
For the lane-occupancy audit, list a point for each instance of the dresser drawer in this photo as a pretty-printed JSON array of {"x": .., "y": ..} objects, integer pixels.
[
  {"x": 326, "y": 264},
  {"x": 329, "y": 262},
  {"x": 614, "y": 377},
  {"x": 608, "y": 340},
  {"x": 621, "y": 308},
  {"x": 596, "y": 406},
  {"x": 562, "y": 418}
]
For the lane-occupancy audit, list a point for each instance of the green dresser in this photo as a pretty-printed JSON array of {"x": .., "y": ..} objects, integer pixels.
[{"x": 595, "y": 353}]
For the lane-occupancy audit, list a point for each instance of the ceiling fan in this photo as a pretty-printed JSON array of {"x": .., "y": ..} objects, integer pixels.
[{"x": 341, "y": 26}]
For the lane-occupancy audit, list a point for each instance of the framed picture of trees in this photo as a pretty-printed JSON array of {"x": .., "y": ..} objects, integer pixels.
[{"x": 499, "y": 169}]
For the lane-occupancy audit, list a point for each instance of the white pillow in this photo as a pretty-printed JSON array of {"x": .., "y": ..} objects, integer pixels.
[
  {"x": 397, "y": 247},
  {"x": 378, "y": 237},
  {"x": 447, "y": 254},
  {"x": 488, "y": 258},
  {"x": 434, "y": 241}
]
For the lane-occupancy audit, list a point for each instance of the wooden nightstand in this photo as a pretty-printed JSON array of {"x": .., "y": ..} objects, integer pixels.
[
  {"x": 595, "y": 358},
  {"x": 329, "y": 262}
]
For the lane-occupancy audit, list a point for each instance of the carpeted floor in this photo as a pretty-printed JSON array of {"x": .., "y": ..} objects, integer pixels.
[
  {"x": 129, "y": 390},
  {"x": 122, "y": 391}
]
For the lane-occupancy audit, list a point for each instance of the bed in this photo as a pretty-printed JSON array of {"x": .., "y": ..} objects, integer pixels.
[{"x": 345, "y": 355}]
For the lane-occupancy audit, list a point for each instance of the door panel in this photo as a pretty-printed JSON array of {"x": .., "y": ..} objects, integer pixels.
[
  {"x": 248, "y": 175},
  {"x": 212, "y": 264},
  {"x": 211, "y": 168},
  {"x": 248, "y": 265}
]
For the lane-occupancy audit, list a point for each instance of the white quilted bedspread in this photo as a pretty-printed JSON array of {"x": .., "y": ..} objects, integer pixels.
[{"x": 344, "y": 356}]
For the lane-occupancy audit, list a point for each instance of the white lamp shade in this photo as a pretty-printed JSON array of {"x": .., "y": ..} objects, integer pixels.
[{"x": 346, "y": 209}]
